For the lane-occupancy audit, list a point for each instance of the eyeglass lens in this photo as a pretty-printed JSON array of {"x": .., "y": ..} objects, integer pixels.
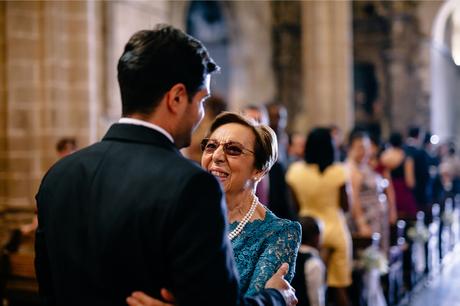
[{"x": 230, "y": 148}]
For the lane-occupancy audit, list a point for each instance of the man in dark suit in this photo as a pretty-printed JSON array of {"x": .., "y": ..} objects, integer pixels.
[
  {"x": 414, "y": 149},
  {"x": 130, "y": 213}
]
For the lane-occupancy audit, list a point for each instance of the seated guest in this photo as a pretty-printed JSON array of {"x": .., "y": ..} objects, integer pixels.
[
  {"x": 309, "y": 281},
  {"x": 239, "y": 152}
]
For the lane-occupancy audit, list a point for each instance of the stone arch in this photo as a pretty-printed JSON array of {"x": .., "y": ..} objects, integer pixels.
[{"x": 445, "y": 77}]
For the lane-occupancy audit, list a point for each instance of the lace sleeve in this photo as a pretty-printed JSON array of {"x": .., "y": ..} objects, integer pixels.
[{"x": 281, "y": 246}]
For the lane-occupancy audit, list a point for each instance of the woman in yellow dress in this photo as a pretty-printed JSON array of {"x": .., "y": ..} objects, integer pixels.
[{"x": 318, "y": 184}]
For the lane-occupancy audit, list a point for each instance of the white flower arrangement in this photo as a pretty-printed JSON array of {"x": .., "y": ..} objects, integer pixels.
[
  {"x": 448, "y": 217},
  {"x": 419, "y": 233},
  {"x": 371, "y": 258}
]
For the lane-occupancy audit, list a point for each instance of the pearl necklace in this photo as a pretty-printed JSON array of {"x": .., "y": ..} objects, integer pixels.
[{"x": 244, "y": 221}]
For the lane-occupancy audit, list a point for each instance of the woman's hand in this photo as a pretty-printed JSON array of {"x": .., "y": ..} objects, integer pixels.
[
  {"x": 278, "y": 282},
  {"x": 139, "y": 298}
]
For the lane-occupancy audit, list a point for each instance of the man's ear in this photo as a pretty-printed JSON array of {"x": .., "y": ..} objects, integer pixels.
[{"x": 176, "y": 97}]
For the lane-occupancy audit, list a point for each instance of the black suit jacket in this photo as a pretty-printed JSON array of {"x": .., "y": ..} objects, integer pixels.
[{"x": 130, "y": 213}]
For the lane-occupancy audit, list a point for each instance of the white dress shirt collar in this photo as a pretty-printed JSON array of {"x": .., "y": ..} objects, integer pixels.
[{"x": 149, "y": 125}]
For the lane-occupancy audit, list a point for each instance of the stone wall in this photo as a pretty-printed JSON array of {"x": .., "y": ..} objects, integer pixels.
[
  {"x": 57, "y": 78},
  {"x": 395, "y": 37}
]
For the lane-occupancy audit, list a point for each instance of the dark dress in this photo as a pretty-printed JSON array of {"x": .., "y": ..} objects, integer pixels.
[{"x": 405, "y": 200}]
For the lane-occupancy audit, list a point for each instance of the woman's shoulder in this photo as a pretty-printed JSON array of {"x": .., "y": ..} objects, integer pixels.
[
  {"x": 281, "y": 225},
  {"x": 296, "y": 166},
  {"x": 337, "y": 172},
  {"x": 337, "y": 167}
]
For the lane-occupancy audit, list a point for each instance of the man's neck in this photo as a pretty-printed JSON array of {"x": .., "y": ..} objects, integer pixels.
[{"x": 148, "y": 122}]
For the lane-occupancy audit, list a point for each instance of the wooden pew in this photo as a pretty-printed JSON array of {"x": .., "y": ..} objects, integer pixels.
[{"x": 19, "y": 284}]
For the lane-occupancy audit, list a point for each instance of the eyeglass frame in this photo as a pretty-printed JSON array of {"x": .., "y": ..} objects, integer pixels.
[{"x": 204, "y": 142}]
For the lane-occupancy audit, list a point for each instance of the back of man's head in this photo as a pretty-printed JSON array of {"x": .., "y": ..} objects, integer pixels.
[
  {"x": 413, "y": 131},
  {"x": 311, "y": 231},
  {"x": 153, "y": 61}
]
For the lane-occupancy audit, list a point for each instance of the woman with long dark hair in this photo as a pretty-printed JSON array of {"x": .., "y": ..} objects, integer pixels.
[{"x": 318, "y": 184}]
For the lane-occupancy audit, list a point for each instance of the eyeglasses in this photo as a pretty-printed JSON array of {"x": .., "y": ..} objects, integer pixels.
[{"x": 231, "y": 148}]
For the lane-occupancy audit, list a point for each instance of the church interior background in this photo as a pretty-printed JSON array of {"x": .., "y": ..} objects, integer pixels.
[{"x": 383, "y": 64}]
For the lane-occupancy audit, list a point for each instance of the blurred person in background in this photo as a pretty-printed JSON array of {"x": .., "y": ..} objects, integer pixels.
[
  {"x": 272, "y": 189},
  {"x": 66, "y": 146},
  {"x": 369, "y": 206},
  {"x": 376, "y": 164},
  {"x": 337, "y": 136},
  {"x": 213, "y": 107},
  {"x": 413, "y": 148},
  {"x": 401, "y": 167},
  {"x": 447, "y": 182},
  {"x": 278, "y": 116},
  {"x": 319, "y": 187},
  {"x": 296, "y": 148},
  {"x": 309, "y": 280}
]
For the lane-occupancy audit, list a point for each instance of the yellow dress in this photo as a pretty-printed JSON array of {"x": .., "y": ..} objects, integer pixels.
[{"x": 318, "y": 196}]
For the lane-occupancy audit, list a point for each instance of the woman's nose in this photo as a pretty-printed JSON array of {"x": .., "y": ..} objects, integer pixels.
[{"x": 219, "y": 154}]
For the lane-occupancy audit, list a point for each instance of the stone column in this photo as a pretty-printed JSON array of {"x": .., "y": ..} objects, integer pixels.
[
  {"x": 251, "y": 78},
  {"x": 327, "y": 65}
]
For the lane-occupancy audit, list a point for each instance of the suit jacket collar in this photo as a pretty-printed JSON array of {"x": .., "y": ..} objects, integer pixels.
[{"x": 140, "y": 134}]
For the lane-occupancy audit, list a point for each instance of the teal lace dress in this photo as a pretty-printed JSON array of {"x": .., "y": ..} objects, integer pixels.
[{"x": 262, "y": 247}]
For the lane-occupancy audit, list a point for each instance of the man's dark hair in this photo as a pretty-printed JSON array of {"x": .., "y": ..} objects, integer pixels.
[
  {"x": 357, "y": 134},
  {"x": 215, "y": 105},
  {"x": 310, "y": 230},
  {"x": 396, "y": 140},
  {"x": 153, "y": 61},
  {"x": 319, "y": 148},
  {"x": 413, "y": 131}
]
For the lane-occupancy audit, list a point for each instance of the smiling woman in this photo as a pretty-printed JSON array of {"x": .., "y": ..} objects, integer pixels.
[{"x": 239, "y": 152}]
